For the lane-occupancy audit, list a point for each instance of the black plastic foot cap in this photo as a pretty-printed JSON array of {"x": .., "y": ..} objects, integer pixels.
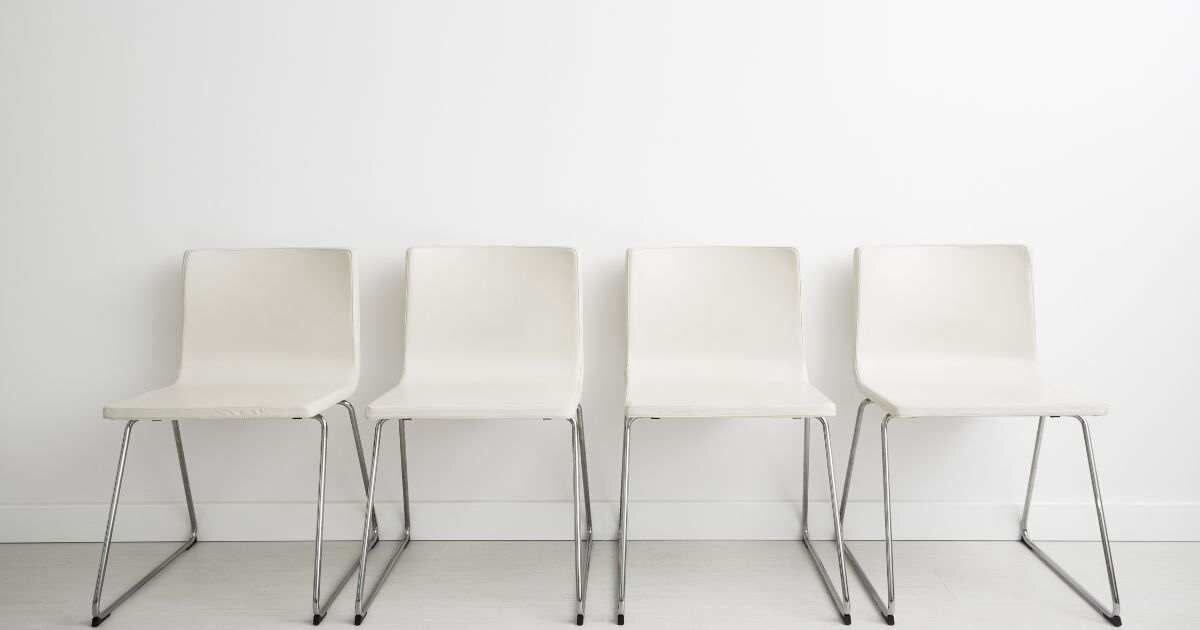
[
  {"x": 358, "y": 619},
  {"x": 579, "y": 619},
  {"x": 620, "y": 620},
  {"x": 317, "y": 619},
  {"x": 99, "y": 620},
  {"x": 846, "y": 619},
  {"x": 1115, "y": 620},
  {"x": 890, "y": 619}
]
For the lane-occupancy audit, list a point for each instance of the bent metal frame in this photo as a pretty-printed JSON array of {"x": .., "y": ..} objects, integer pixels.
[
  {"x": 319, "y": 610},
  {"x": 583, "y": 531},
  {"x": 888, "y": 610},
  {"x": 840, "y": 601}
]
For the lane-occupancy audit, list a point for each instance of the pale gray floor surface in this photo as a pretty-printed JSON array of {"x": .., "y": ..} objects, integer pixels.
[{"x": 528, "y": 585}]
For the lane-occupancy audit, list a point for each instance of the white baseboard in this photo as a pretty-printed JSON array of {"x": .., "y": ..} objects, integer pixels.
[{"x": 649, "y": 520}]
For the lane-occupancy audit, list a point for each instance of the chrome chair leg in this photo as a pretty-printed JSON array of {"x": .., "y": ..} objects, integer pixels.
[
  {"x": 98, "y": 614},
  {"x": 583, "y": 558},
  {"x": 320, "y": 610},
  {"x": 842, "y": 601},
  {"x": 362, "y": 460},
  {"x": 587, "y": 493},
  {"x": 1113, "y": 615},
  {"x": 363, "y": 604},
  {"x": 887, "y": 515},
  {"x": 320, "y": 536},
  {"x": 887, "y": 610},
  {"x": 404, "y": 477},
  {"x": 187, "y": 482},
  {"x": 623, "y": 524}
]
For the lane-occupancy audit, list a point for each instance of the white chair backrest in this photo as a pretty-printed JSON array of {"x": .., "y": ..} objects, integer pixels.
[
  {"x": 270, "y": 316},
  {"x": 719, "y": 313},
  {"x": 493, "y": 314},
  {"x": 969, "y": 304}
]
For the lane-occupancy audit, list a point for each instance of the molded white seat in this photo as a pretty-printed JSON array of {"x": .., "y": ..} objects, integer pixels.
[
  {"x": 194, "y": 401},
  {"x": 466, "y": 400},
  {"x": 726, "y": 399},
  {"x": 267, "y": 333},
  {"x": 948, "y": 330},
  {"x": 975, "y": 388},
  {"x": 714, "y": 332},
  {"x": 491, "y": 332}
]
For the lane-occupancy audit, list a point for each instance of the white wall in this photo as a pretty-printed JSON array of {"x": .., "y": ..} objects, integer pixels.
[{"x": 130, "y": 131}]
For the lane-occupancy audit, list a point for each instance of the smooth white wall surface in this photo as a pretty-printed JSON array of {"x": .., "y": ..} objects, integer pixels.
[{"x": 131, "y": 131}]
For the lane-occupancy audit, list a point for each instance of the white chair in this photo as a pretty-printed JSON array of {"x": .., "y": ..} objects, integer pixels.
[
  {"x": 267, "y": 333},
  {"x": 714, "y": 332},
  {"x": 490, "y": 333},
  {"x": 948, "y": 331}
]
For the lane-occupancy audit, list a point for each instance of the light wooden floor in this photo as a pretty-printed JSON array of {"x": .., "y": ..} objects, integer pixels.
[{"x": 528, "y": 585}]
